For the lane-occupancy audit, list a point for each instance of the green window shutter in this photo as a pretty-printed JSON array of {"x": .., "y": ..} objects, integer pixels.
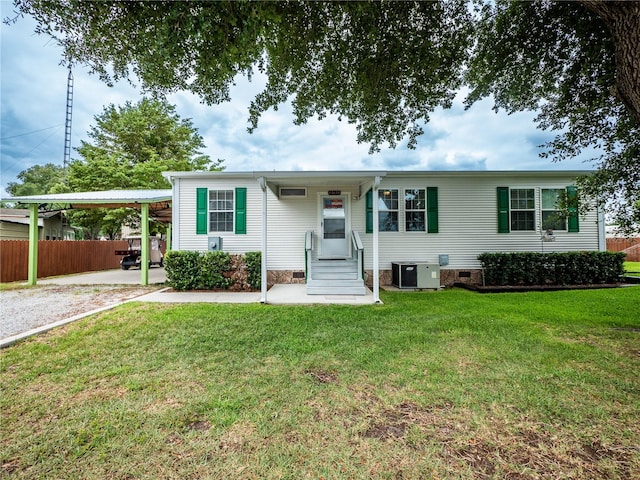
[
  {"x": 432, "y": 209},
  {"x": 202, "y": 209},
  {"x": 241, "y": 210},
  {"x": 572, "y": 206},
  {"x": 503, "y": 209},
  {"x": 369, "y": 206}
]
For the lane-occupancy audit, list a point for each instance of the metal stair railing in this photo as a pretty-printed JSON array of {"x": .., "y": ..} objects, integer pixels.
[
  {"x": 357, "y": 252},
  {"x": 308, "y": 254}
]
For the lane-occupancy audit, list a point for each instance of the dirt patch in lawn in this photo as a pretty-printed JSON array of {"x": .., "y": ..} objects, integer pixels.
[{"x": 496, "y": 447}]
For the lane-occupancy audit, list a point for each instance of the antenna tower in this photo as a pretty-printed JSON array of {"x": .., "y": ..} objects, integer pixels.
[{"x": 67, "y": 125}]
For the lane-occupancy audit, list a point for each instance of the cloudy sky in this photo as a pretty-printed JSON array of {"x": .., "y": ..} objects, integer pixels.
[{"x": 33, "y": 99}]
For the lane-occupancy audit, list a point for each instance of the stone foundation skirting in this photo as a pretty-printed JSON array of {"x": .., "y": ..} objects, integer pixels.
[
  {"x": 448, "y": 277},
  {"x": 284, "y": 276}
]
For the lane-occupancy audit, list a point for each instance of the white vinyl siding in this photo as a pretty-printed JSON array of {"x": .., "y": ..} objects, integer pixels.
[
  {"x": 467, "y": 208},
  {"x": 467, "y": 222},
  {"x": 185, "y": 228}
]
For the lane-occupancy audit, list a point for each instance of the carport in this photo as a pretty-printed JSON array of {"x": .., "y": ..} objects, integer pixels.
[{"x": 154, "y": 204}]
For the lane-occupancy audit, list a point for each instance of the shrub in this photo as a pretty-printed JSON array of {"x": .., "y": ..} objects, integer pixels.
[
  {"x": 213, "y": 266},
  {"x": 187, "y": 270},
  {"x": 529, "y": 268},
  {"x": 182, "y": 269},
  {"x": 253, "y": 261}
]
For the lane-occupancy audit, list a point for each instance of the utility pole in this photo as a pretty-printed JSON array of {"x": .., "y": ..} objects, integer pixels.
[{"x": 67, "y": 125}]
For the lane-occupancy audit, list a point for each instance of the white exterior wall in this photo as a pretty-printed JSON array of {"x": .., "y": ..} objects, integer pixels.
[
  {"x": 467, "y": 218},
  {"x": 468, "y": 225},
  {"x": 185, "y": 228},
  {"x": 288, "y": 221}
]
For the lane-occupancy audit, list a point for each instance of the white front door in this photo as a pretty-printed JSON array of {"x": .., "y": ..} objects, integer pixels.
[{"x": 334, "y": 226}]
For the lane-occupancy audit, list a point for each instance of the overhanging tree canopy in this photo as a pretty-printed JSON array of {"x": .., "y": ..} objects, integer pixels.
[{"x": 385, "y": 66}]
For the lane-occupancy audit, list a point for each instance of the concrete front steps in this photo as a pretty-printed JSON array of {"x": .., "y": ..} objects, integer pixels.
[{"x": 335, "y": 277}]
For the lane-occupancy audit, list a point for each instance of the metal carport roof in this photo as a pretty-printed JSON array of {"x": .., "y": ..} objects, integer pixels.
[{"x": 151, "y": 203}]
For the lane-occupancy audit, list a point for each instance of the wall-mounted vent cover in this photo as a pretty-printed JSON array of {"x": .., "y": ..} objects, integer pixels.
[{"x": 293, "y": 192}]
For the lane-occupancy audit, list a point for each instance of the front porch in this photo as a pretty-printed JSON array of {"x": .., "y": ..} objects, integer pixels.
[
  {"x": 334, "y": 276},
  {"x": 331, "y": 206}
]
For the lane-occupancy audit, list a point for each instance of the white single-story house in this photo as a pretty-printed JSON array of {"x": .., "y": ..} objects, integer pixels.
[{"x": 339, "y": 231}]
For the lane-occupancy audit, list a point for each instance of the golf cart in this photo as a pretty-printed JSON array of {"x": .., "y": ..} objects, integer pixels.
[{"x": 133, "y": 255}]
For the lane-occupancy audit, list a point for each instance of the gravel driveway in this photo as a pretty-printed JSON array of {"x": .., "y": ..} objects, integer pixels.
[{"x": 24, "y": 309}]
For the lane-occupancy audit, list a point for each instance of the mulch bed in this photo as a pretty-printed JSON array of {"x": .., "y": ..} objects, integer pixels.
[{"x": 533, "y": 288}]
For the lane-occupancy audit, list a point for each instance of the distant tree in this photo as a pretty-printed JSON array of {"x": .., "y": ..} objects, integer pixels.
[
  {"x": 385, "y": 66},
  {"x": 37, "y": 180},
  {"x": 128, "y": 148}
]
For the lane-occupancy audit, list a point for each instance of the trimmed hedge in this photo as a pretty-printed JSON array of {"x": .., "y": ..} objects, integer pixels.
[
  {"x": 213, "y": 267},
  {"x": 568, "y": 268},
  {"x": 253, "y": 261},
  {"x": 187, "y": 270},
  {"x": 182, "y": 269}
]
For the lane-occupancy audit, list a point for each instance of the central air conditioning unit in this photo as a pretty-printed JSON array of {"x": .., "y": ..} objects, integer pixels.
[{"x": 415, "y": 275}]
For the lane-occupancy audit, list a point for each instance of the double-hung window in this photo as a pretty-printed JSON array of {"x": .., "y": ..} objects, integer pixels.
[
  {"x": 388, "y": 210},
  {"x": 221, "y": 210},
  {"x": 415, "y": 210},
  {"x": 552, "y": 216},
  {"x": 518, "y": 209},
  {"x": 523, "y": 209}
]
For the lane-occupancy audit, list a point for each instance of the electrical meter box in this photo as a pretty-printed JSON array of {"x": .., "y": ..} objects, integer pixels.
[{"x": 215, "y": 244}]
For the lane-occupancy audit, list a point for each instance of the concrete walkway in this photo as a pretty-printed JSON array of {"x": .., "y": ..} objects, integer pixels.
[
  {"x": 277, "y": 295},
  {"x": 107, "y": 277}
]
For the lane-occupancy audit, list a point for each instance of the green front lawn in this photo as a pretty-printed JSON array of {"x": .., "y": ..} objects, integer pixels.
[
  {"x": 632, "y": 268},
  {"x": 451, "y": 384}
]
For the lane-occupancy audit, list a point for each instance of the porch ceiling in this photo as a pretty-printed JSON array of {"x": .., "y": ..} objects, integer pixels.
[{"x": 276, "y": 180}]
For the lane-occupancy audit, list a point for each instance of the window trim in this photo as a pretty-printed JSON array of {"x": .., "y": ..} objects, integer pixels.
[
  {"x": 543, "y": 210},
  {"x": 232, "y": 210},
  {"x": 512, "y": 210},
  {"x": 389, "y": 210},
  {"x": 416, "y": 210},
  {"x": 503, "y": 203}
]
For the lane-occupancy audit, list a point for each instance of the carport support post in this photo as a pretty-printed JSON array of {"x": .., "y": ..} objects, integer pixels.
[
  {"x": 144, "y": 244},
  {"x": 33, "y": 244}
]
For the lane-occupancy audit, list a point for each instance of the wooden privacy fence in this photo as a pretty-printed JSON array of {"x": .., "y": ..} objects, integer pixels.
[
  {"x": 630, "y": 246},
  {"x": 58, "y": 257}
]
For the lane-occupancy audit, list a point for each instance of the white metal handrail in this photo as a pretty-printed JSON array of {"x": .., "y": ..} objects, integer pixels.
[
  {"x": 308, "y": 253},
  {"x": 358, "y": 250}
]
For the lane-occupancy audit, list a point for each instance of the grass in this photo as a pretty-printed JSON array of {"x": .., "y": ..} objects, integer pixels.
[
  {"x": 632, "y": 268},
  {"x": 451, "y": 384}
]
